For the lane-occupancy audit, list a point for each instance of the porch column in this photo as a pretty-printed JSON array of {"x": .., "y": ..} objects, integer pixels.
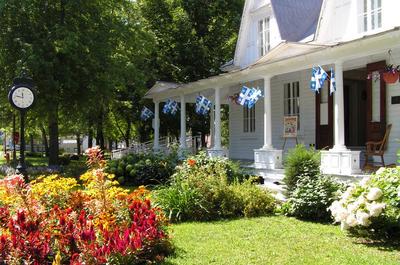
[
  {"x": 339, "y": 109},
  {"x": 183, "y": 122},
  {"x": 267, "y": 157},
  {"x": 217, "y": 140},
  {"x": 267, "y": 114},
  {"x": 212, "y": 126},
  {"x": 156, "y": 125},
  {"x": 339, "y": 160}
]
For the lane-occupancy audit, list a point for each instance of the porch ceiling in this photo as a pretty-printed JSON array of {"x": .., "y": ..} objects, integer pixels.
[{"x": 285, "y": 58}]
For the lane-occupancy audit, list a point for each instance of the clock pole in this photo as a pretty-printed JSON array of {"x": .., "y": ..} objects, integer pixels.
[
  {"x": 22, "y": 103},
  {"x": 21, "y": 168}
]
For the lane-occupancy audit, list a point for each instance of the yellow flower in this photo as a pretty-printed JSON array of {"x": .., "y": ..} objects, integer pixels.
[{"x": 57, "y": 259}]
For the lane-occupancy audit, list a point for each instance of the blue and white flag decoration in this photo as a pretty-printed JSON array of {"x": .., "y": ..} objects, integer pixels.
[
  {"x": 333, "y": 82},
  {"x": 318, "y": 78},
  {"x": 203, "y": 105},
  {"x": 249, "y": 96},
  {"x": 146, "y": 114},
  {"x": 171, "y": 106}
]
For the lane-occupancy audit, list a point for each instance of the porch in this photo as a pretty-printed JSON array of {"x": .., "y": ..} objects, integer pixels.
[{"x": 326, "y": 121}]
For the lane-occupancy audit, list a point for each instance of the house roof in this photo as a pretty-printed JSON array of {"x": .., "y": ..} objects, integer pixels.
[
  {"x": 161, "y": 86},
  {"x": 287, "y": 49},
  {"x": 303, "y": 14}
]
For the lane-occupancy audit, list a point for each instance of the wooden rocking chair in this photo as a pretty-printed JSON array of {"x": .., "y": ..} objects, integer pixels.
[{"x": 377, "y": 148}]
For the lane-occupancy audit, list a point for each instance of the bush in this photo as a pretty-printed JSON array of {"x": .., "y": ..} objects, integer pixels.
[
  {"x": 64, "y": 160},
  {"x": 312, "y": 197},
  {"x": 143, "y": 169},
  {"x": 372, "y": 207},
  {"x": 212, "y": 188},
  {"x": 300, "y": 162},
  {"x": 33, "y": 154}
]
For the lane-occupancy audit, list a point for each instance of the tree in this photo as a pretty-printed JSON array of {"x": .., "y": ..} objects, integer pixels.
[
  {"x": 80, "y": 55},
  {"x": 194, "y": 38}
]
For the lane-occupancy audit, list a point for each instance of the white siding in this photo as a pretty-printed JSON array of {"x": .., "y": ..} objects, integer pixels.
[
  {"x": 340, "y": 20},
  {"x": 393, "y": 116},
  {"x": 248, "y": 52},
  {"x": 306, "y": 134},
  {"x": 242, "y": 145}
]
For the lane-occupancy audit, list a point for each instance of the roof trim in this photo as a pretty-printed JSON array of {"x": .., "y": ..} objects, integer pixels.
[
  {"x": 277, "y": 51},
  {"x": 161, "y": 86},
  {"x": 240, "y": 34}
]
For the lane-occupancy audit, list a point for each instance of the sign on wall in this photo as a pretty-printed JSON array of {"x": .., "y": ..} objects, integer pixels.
[{"x": 290, "y": 126}]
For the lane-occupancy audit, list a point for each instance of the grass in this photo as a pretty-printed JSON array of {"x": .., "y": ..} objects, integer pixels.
[
  {"x": 73, "y": 169},
  {"x": 273, "y": 240}
]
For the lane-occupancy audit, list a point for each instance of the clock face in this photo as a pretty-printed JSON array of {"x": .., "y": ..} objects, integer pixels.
[{"x": 22, "y": 97}]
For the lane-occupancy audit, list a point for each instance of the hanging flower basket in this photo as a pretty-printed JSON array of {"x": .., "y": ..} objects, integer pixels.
[
  {"x": 390, "y": 77},
  {"x": 391, "y": 74}
]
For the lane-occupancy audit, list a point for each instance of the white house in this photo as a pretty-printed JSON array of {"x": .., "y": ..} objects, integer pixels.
[{"x": 279, "y": 43}]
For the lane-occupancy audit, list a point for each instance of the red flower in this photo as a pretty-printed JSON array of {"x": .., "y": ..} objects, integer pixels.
[{"x": 191, "y": 162}]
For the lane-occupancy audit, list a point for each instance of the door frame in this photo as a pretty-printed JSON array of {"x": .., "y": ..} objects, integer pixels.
[
  {"x": 326, "y": 129},
  {"x": 376, "y": 130}
]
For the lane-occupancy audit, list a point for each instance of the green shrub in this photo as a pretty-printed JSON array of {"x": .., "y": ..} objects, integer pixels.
[
  {"x": 64, "y": 160},
  {"x": 372, "y": 207},
  {"x": 300, "y": 162},
  {"x": 212, "y": 188},
  {"x": 143, "y": 169},
  {"x": 255, "y": 201},
  {"x": 311, "y": 198}
]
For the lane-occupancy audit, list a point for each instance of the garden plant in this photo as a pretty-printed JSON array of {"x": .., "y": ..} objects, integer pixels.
[
  {"x": 54, "y": 220},
  {"x": 371, "y": 208},
  {"x": 206, "y": 188}
]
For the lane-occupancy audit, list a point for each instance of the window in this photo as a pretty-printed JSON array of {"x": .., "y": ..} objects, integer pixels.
[
  {"x": 263, "y": 36},
  {"x": 292, "y": 100},
  {"x": 249, "y": 120},
  {"x": 370, "y": 15}
]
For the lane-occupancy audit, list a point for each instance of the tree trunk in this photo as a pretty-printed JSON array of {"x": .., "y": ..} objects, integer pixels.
[
  {"x": 53, "y": 138},
  {"x": 78, "y": 144},
  {"x": 99, "y": 132},
  {"x": 110, "y": 145},
  {"x": 100, "y": 136},
  {"x": 44, "y": 139},
  {"x": 31, "y": 140},
  {"x": 90, "y": 138},
  {"x": 128, "y": 132}
]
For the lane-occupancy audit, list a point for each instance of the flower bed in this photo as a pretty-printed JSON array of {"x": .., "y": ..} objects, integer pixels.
[
  {"x": 206, "y": 188},
  {"x": 55, "y": 220}
]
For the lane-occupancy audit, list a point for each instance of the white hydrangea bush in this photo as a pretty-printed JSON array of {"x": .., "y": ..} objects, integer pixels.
[{"x": 372, "y": 205}]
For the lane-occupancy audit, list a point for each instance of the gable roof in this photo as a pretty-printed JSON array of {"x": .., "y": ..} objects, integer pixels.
[{"x": 296, "y": 19}]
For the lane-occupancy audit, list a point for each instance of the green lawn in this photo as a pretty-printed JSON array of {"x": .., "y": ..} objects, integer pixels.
[{"x": 273, "y": 240}]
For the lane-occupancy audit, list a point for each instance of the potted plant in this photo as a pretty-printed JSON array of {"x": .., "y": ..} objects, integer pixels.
[{"x": 391, "y": 74}]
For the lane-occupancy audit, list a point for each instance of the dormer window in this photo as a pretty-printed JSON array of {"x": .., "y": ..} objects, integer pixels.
[
  {"x": 370, "y": 16},
  {"x": 264, "y": 36}
]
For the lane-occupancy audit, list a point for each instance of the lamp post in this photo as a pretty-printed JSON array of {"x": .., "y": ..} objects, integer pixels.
[{"x": 22, "y": 97}]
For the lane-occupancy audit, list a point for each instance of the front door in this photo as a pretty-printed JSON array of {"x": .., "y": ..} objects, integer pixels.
[
  {"x": 376, "y": 103},
  {"x": 324, "y": 118}
]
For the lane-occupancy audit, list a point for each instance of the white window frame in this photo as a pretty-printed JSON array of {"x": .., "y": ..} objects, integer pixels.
[
  {"x": 264, "y": 36},
  {"x": 249, "y": 120},
  {"x": 370, "y": 15},
  {"x": 291, "y": 100}
]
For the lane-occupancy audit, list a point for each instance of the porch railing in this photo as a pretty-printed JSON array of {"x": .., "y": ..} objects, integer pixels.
[{"x": 193, "y": 146}]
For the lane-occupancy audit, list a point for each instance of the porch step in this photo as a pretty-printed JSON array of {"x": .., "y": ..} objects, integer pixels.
[{"x": 273, "y": 179}]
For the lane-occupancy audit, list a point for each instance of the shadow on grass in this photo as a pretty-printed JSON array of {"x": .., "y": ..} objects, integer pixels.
[
  {"x": 178, "y": 252},
  {"x": 378, "y": 243}
]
